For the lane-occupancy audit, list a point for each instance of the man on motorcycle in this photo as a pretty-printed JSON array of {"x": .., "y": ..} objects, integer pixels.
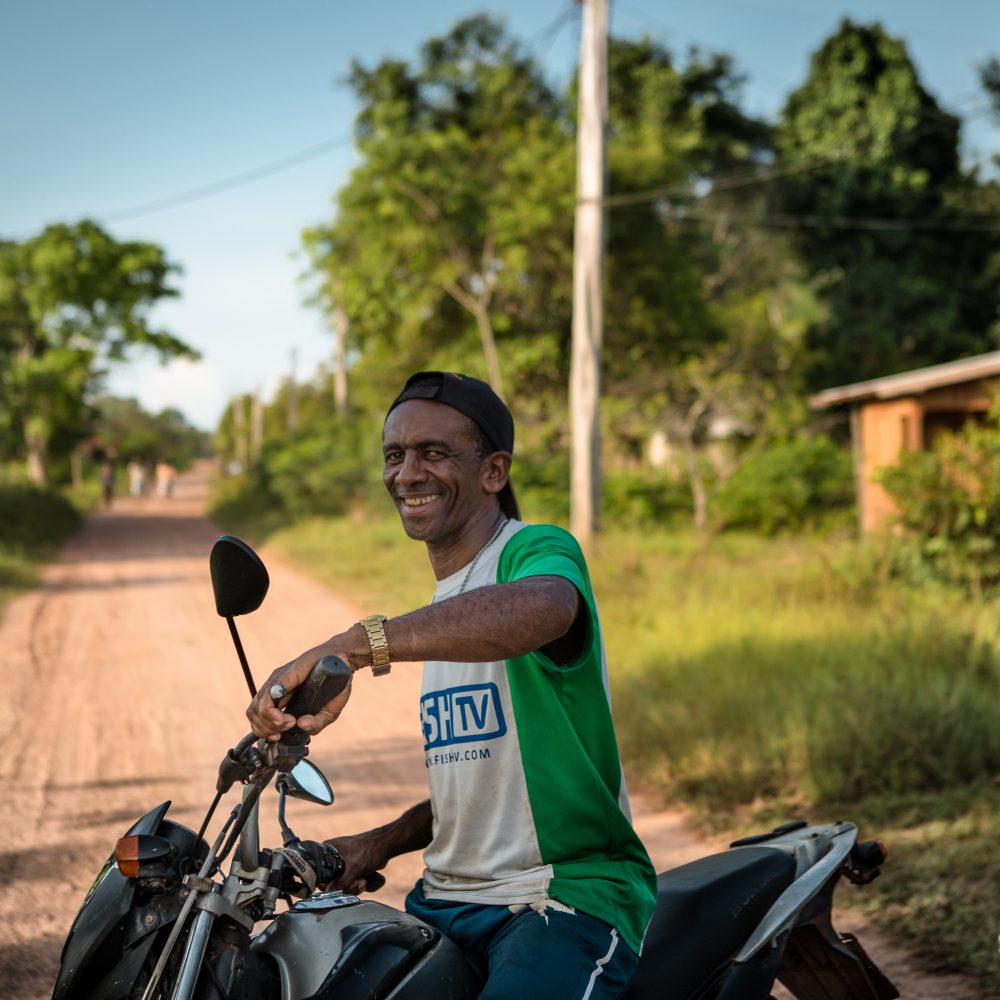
[{"x": 530, "y": 855}]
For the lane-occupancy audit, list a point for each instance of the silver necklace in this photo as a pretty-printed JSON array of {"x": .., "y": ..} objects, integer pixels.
[{"x": 475, "y": 558}]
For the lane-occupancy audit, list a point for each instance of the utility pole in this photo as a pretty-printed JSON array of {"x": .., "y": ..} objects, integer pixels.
[
  {"x": 588, "y": 273},
  {"x": 240, "y": 432},
  {"x": 256, "y": 426},
  {"x": 340, "y": 349},
  {"x": 292, "y": 417}
]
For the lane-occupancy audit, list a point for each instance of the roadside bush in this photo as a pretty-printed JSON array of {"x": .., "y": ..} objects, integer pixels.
[
  {"x": 32, "y": 519},
  {"x": 243, "y": 505},
  {"x": 789, "y": 486},
  {"x": 323, "y": 470},
  {"x": 318, "y": 472},
  {"x": 637, "y": 499},
  {"x": 948, "y": 500}
]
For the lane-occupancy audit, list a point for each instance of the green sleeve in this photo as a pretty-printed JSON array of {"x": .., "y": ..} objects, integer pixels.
[{"x": 545, "y": 550}]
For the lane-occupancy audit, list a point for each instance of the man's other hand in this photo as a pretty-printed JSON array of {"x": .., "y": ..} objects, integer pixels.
[{"x": 363, "y": 854}]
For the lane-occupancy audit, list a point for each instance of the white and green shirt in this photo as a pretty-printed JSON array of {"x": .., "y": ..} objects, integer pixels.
[{"x": 526, "y": 783}]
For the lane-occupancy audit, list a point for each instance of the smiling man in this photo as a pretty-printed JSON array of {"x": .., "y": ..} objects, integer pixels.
[{"x": 530, "y": 856}]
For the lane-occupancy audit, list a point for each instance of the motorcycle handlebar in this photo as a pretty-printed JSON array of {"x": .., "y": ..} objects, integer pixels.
[
  {"x": 328, "y": 678},
  {"x": 328, "y": 865},
  {"x": 326, "y": 861}
]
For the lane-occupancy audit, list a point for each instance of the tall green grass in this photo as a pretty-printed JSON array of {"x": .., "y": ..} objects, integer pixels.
[{"x": 748, "y": 669}]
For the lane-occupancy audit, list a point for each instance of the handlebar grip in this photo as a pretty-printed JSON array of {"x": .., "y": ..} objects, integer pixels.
[
  {"x": 328, "y": 678},
  {"x": 374, "y": 881}
]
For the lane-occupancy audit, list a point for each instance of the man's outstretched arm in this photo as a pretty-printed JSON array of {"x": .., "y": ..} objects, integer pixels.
[{"x": 491, "y": 623}]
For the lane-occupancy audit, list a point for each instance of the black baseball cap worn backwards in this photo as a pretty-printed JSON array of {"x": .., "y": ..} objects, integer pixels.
[{"x": 479, "y": 403}]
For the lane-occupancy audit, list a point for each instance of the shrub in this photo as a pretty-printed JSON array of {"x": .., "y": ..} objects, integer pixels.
[
  {"x": 637, "y": 499},
  {"x": 948, "y": 501},
  {"x": 791, "y": 485},
  {"x": 31, "y": 519},
  {"x": 323, "y": 470},
  {"x": 320, "y": 471}
]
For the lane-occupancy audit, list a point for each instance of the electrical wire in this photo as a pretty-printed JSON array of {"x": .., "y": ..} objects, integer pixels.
[
  {"x": 538, "y": 44},
  {"x": 966, "y": 224},
  {"x": 229, "y": 183}
]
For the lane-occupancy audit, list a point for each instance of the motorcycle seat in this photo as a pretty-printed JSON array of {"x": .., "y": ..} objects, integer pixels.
[{"x": 704, "y": 913}]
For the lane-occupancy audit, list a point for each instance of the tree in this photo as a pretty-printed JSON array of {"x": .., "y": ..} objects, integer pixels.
[
  {"x": 450, "y": 232},
  {"x": 72, "y": 300},
  {"x": 457, "y": 224},
  {"x": 123, "y": 429},
  {"x": 879, "y": 200}
]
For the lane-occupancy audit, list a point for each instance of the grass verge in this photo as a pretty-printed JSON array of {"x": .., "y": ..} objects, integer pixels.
[
  {"x": 761, "y": 680},
  {"x": 33, "y": 524}
]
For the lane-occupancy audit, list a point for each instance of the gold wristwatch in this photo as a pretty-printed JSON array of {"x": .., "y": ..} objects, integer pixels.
[{"x": 375, "y": 628}]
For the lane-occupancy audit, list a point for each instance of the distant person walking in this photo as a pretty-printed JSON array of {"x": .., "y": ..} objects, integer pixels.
[
  {"x": 107, "y": 474},
  {"x": 166, "y": 474},
  {"x": 136, "y": 477}
]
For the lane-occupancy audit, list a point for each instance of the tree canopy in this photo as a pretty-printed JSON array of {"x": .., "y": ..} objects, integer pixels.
[
  {"x": 881, "y": 209},
  {"x": 451, "y": 243},
  {"x": 72, "y": 301}
]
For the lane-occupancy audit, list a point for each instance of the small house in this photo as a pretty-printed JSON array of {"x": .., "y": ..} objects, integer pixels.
[{"x": 905, "y": 412}]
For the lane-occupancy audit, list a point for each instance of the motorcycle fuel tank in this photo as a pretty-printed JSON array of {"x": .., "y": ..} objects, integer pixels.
[{"x": 333, "y": 945}]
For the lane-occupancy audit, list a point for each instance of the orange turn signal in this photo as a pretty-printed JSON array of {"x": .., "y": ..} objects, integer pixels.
[{"x": 127, "y": 856}]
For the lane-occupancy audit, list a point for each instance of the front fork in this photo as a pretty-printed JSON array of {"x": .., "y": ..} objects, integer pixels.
[
  {"x": 194, "y": 955},
  {"x": 214, "y": 901}
]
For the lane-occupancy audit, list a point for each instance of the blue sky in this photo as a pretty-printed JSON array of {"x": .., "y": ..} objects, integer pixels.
[{"x": 111, "y": 106}]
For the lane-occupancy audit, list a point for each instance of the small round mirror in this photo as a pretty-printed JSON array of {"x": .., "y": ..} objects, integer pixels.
[{"x": 306, "y": 781}]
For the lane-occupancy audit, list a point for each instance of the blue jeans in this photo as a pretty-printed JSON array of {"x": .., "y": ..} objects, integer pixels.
[{"x": 554, "y": 955}]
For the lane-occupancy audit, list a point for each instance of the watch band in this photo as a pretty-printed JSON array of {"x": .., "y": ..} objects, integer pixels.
[{"x": 375, "y": 628}]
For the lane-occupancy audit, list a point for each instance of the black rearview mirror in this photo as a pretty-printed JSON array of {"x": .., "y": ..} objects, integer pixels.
[{"x": 239, "y": 578}]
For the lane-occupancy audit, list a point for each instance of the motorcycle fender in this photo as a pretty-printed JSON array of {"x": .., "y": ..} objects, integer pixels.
[
  {"x": 364, "y": 950},
  {"x": 100, "y": 924},
  {"x": 108, "y": 937}
]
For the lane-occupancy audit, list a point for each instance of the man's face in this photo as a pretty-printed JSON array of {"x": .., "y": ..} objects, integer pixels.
[{"x": 433, "y": 472}]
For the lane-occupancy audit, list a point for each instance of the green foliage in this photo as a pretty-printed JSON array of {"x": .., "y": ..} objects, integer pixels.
[
  {"x": 33, "y": 522},
  {"x": 643, "y": 499},
  {"x": 33, "y": 519},
  {"x": 123, "y": 429},
  {"x": 456, "y": 227},
  {"x": 908, "y": 285},
  {"x": 72, "y": 300},
  {"x": 948, "y": 500},
  {"x": 242, "y": 505},
  {"x": 789, "y": 485},
  {"x": 784, "y": 667},
  {"x": 323, "y": 470}
]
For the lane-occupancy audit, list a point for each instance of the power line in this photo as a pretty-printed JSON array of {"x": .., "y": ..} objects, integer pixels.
[
  {"x": 726, "y": 182},
  {"x": 968, "y": 224},
  {"x": 229, "y": 183},
  {"x": 538, "y": 44},
  {"x": 752, "y": 176}
]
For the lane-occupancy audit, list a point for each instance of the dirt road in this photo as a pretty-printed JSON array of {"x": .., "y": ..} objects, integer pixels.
[{"x": 121, "y": 689}]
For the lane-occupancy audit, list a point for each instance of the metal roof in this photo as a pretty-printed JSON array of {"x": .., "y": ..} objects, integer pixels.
[{"x": 911, "y": 383}]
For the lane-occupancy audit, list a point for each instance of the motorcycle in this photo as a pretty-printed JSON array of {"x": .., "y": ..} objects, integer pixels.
[{"x": 162, "y": 921}]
